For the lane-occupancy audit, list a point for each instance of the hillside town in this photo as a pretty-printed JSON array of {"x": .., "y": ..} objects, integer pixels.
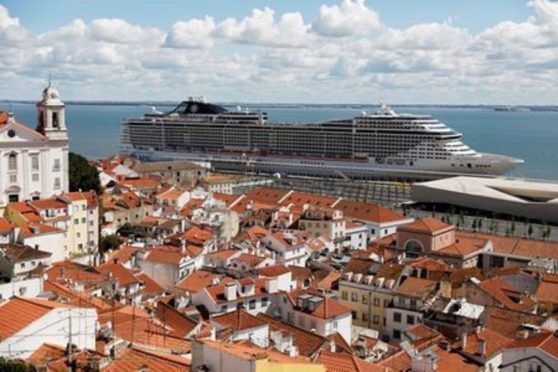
[{"x": 174, "y": 267}]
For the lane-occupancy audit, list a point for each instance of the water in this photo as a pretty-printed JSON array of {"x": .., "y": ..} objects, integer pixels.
[{"x": 532, "y": 136}]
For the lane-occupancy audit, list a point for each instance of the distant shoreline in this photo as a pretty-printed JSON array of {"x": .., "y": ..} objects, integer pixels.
[{"x": 510, "y": 108}]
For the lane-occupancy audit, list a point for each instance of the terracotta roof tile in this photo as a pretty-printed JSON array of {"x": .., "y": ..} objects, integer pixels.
[
  {"x": 134, "y": 359},
  {"x": 368, "y": 212},
  {"x": 426, "y": 225},
  {"x": 20, "y": 253},
  {"x": 19, "y": 312},
  {"x": 416, "y": 287},
  {"x": 197, "y": 281},
  {"x": 180, "y": 323},
  {"x": 124, "y": 276},
  {"x": 238, "y": 320},
  {"x": 273, "y": 270}
]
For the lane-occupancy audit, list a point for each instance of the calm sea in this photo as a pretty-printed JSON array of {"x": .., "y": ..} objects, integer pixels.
[{"x": 532, "y": 136}]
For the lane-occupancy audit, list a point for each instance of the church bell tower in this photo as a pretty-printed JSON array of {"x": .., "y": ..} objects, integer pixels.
[{"x": 51, "y": 115}]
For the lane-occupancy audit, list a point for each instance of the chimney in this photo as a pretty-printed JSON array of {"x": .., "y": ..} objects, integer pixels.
[
  {"x": 271, "y": 285},
  {"x": 230, "y": 291},
  {"x": 482, "y": 347},
  {"x": 463, "y": 340}
]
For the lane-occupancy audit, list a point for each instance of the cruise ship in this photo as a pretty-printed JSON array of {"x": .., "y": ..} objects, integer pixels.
[{"x": 368, "y": 146}]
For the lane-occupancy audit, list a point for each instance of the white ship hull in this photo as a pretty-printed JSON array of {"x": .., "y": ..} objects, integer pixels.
[{"x": 482, "y": 164}]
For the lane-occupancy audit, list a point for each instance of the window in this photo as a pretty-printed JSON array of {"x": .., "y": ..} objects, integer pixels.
[
  {"x": 78, "y": 235},
  {"x": 252, "y": 304},
  {"x": 56, "y": 165},
  {"x": 13, "y": 178},
  {"x": 35, "y": 177},
  {"x": 34, "y": 162},
  {"x": 354, "y": 314},
  {"x": 386, "y": 303},
  {"x": 224, "y": 308},
  {"x": 410, "y": 319},
  {"x": 344, "y": 295},
  {"x": 83, "y": 220},
  {"x": 413, "y": 304},
  {"x": 375, "y": 319},
  {"x": 264, "y": 301},
  {"x": 76, "y": 221},
  {"x": 57, "y": 183},
  {"x": 12, "y": 162},
  {"x": 364, "y": 317},
  {"x": 396, "y": 334},
  {"x": 364, "y": 299},
  {"x": 376, "y": 301},
  {"x": 397, "y": 317},
  {"x": 334, "y": 324},
  {"x": 22, "y": 265},
  {"x": 354, "y": 297}
]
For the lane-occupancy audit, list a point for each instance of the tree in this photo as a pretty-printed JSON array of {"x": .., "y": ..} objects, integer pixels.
[
  {"x": 109, "y": 242},
  {"x": 83, "y": 176}
]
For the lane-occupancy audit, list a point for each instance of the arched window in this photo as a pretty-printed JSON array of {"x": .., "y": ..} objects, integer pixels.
[
  {"x": 55, "y": 120},
  {"x": 12, "y": 162},
  {"x": 413, "y": 249}
]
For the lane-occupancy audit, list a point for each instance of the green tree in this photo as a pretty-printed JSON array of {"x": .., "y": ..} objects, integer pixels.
[
  {"x": 109, "y": 242},
  {"x": 83, "y": 176}
]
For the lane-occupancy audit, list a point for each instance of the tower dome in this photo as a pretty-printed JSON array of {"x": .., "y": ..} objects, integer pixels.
[{"x": 51, "y": 96}]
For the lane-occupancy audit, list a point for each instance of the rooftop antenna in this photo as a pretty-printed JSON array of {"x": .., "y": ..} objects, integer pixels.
[{"x": 49, "y": 79}]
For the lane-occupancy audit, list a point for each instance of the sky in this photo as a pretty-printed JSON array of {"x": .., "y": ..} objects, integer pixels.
[{"x": 315, "y": 51}]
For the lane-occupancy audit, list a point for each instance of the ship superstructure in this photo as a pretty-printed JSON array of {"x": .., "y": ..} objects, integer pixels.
[{"x": 358, "y": 147}]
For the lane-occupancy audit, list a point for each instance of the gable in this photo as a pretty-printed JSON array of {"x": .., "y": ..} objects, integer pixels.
[{"x": 15, "y": 132}]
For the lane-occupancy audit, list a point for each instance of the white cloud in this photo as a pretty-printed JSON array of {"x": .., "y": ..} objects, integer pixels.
[
  {"x": 195, "y": 33},
  {"x": 346, "y": 55},
  {"x": 116, "y": 30},
  {"x": 352, "y": 17},
  {"x": 260, "y": 28},
  {"x": 10, "y": 30}
]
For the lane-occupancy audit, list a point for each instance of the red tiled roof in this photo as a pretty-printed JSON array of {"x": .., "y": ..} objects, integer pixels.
[
  {"x": 545, "y": 340},
  {"x": 124, "y": 276},
  {"x": 20, "y": 253},
  {"x": 123, "y": 254},
  {"x": 134, "y": 359},
  {"x": 238, "y": 320},
  {"x": 340, "y": 362},
  {"x": 197, "y": 281},
  {"x": 416, "y": 287},
  {"x": 426, "y": 225},
  {"x": 273, "y": 270},
  {"x": 494, "y": 342},
  {"x": 19, "y": 312},
  {"x": 5, "y": 226},
  {"x": 516, "y": 246},
  {"x": 165, "y": 255},
  {"x": 368, "y": 212},
  {"x": 548, "y": 289},
  {"x": 150, "y": 286},
  {"x": 197, "y": 236},
  {"x": 327, "y": 309},
  {"x": 178, "y": 322},
  {"x": 250, "y": 259},
  {"x": 502, "y": 292},
  {"x": 32, "y": 229},
  {"x": 267, "y": 194}
]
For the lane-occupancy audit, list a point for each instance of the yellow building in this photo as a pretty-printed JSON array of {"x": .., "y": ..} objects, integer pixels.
[
  {"x": 75, "y": 213},
  {"x": 368, "y": 296}
]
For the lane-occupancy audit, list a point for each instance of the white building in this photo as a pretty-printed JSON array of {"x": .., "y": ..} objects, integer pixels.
[
  {"x": 34, "y": 163},
  {"x": 44, "y": 322},
  {"x": 314, "y": 312}
]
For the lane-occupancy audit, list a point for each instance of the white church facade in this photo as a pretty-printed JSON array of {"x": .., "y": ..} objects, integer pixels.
[{"x": 34, "y": 163}]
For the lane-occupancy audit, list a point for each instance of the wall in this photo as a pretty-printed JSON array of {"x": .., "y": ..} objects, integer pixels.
[
  {"x": 51, "y": 242},
  {"x": 27, "y": 287},
  {"x": 53, "y": 328}
]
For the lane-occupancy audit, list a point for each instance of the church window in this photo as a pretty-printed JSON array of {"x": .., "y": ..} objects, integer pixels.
[
  {"x": 55, "y": 120},
  {"x": 57, "y": 183},
  {"x": 12, "y": 162},
  {"x": 35, "y": 162},
  {"x": 56, "y": 165}
]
